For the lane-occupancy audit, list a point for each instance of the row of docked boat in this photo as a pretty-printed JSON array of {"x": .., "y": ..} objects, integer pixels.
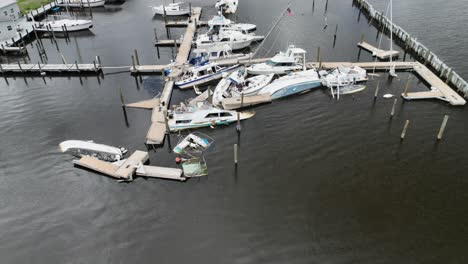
[{"x": 183, "y": 9}]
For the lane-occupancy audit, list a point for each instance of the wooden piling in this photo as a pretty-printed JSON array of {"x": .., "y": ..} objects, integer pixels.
[
  {"x": 336, "y": 31},
  {"x": 175, "y": 46},
  {"x": 238, "y": 126},
  {"x": 235, "y": 154},
  {"x": 77, "y": 68},
  {"x": 318, "y": 54},
  {"x": 242, "y": 100},
  {"x": 377, "y": 90},
  {"x": 362, "y": 38},
  {"x": 90, "y": 10},
  {"x": 122, "y": 101},
  {"x": 407, "y": 86},
  {"x": 403, "y": 133},
  {"x": 166, "y": 122},
  {"x": 19, "y": 65},
  {"x": 393, "y": 108},
  {"x": 442, "y": 127},
  {"x": 133, "y": 63},
  {"x": 137, "y": 59}
]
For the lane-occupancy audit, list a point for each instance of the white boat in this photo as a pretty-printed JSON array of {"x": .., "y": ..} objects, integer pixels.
[
  {"x": 173, "y": 9},
  {"x": 343, "y": 76},
  {"x": 64, "y": 24},
  {"x": 235, "y": 39},
  {"x": 221, "y": 52},
  {"x": 83, "y": 3},
  {"x": 227, "y": 6},
  {"x": 193, "y": 145},
  {"x": 202, "y": 114},
  {"x": 222, "y": 22},
  {"x": 80, "y": 148},
  {"x": 292, "y": 83},
  {"x": 282, "y": 63},
  {"x": 203, "y": 73},
  {"x": 236, "y": 85}
]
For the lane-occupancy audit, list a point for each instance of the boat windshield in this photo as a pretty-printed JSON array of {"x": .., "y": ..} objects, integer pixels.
[{"x": 271, "y": 63}]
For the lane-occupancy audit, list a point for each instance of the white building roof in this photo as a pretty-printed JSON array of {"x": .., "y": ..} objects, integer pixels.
[{"x": 4, "y": 3}]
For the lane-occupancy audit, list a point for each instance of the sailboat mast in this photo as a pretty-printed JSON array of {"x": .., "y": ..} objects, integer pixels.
[{"x": 391, "y": 29}]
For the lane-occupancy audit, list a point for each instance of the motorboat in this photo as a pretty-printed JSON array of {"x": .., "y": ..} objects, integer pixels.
[
  {"x": 235, "y": 39},
  {"x": 343, "y": 76},
  {"x": 193, "y": 145},
  {"x": 293, "y": 83},
  {"x": 173, "y": 9},
  {"x": 221, "y": 52},
  {"x": 227, "y": 6},
  {"x": 83, "y": 3},
  {"x": 203, "y": 73},
  {"x": 282, "y": 63},
  {"x": 80, "y": 148},
  {"x": 222, "y": 22},
  {"x": 63, "y": 25},
  {"x": 236, "y": 85},
  {"x": 202, "y": 114}
]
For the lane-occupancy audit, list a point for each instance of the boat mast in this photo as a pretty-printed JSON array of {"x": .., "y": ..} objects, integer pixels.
[{"x": 391, "y": 30}]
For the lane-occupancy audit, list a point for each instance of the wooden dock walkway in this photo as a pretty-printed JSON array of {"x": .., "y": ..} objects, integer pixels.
[
  {"x": 49, "y": 68},
  {"x": 379, "y": 53}
]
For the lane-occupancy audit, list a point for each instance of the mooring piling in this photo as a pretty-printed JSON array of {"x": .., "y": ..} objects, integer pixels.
[
  {"x": 137, "y": 59},
  {"x": 377, "y": 90},
  {"x": 235, "y": 154},
  {"x": 407, "y": 86},
  {"x": 238, "y": 126},
  {"x": 442, "y": 127},
  {"x": 393, "y": 108},
  {"x": 403, "y": 133}
]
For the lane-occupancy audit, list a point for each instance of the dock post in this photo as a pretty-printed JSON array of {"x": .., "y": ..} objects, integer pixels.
[
  {"x": 77, "y": 68},
  {"x": 407, "y": 86},
  {"x": 19, "y": 65},
  {"x": 175, "y": 47},
  {"x": 403, "y": 133},
  {"x": 99, "y": 60},
  {"x": 40, "y": 69},
  {"x": 442, "y": 127},
  {"x": 165, "y": 15},
  {"x": 336, "y": 31},
  {"x": 393, "y": 108},
  {"x": 95, "y": 67},
  {"x": 318, "y": 54},
  {"x": 242, "y": 100},
  {"x": 238, "y": 126},
  {"x": 53, "y": 34},
  {"x": 133, "y": 63},
  {"x": 362, "y": 38},
  {"x": 1, "y": 68},
  {"x": 66, "y": 32},
  {"x": 122, "y": 101},
  {"x": 235, "y": 154},
  {"x": 210, "y": 96},
  {"x": 377, "y": 90},
  {"x": 137, "y": 59},
  {"x": 190, "y": 8},
  {"x": 155, "y": 35},
  {"x": 90, "y": 10},
  {"x": 166, "y": 122}
]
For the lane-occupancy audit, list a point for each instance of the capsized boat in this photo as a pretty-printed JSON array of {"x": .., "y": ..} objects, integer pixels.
[
  {"x": 173, "y": 9},
  {"x": 203, "y": 73},
  {"x": 293, "y": 83},
  {"x": 193, "y": 144},
  {"x": 343, "y": 76},
  {"x": 83, "y": 3},
  {"x": 227, "y": 6},
  {"x": 282, "y": 63},
  {"x": 202, "y": 114},
  {"x": 80, "y": 148},
  {"x": 222, "y": 22},
  {"x": 221, "y": 52},
  {"x": 63, "y": 25},
  {"x": 235, "y": 39}
]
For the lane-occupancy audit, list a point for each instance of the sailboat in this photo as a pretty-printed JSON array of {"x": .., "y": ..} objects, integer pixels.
[{"x": 392, "y": 66}]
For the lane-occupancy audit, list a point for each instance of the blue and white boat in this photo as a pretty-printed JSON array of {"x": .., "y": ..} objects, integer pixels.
[
  {"x": 292, "y": 83},
  {"x": 202, "y": 114},
  {"x": 204, "y": 73}
]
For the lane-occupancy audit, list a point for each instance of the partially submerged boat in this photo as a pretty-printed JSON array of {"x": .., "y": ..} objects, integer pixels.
[
  {"x": 203, "y": 73},
  {"x": 83, "y": 3},
  {"x": 343, "y": 76},
  {"x": 193, "y": 144},
  {"x": 80, "y": 148},
  {"x": 282, "y": 63},
  {"x": 63, "y": 25},
  {"x": 227, "y": 6},
  {"x": 221, "y": 52},
  {"x": 202, "y": 114},
  {"x": 173, "y": 9},
  {"x": 293, "y": 83},
  {"x": 235, "y": 39}
]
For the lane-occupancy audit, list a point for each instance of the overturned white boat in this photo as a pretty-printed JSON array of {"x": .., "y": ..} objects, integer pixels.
[
  {"x": 293, "y": 83},
  {"x": 80, "y": 148},
  {"x": 83, "y": 3},
  {"x": 235, "y": 39},
  {"x": 193, "y": 145},
  {"x": 173, "y": 9},
  {"x": 63, "y": 25},
  {"x": 221, "y": 52},
  {"x": 343, "y": 76},
  {"x": 282, "y": 63},
  {"x": 222, "y": 22},
  {"x": 227, "y": 6},
  {"x": 203, "y": 73},
  {"x": 202, "y": 114}
]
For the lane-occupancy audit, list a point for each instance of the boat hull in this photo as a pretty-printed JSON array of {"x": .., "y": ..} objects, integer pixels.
[
  {"x": 179, "y": 127},
  {"x": 84, "y": 3},
  {"x": 57, "y": 27},
  {"x": 160, "y": 11},
  {"x": 206, "y": 79},
  {"x": 232, "y": 45},
  {"x": 274, "y": 70}
]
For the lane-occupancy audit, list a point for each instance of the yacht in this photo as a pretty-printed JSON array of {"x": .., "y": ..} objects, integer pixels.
[
  {"x": 221, "y": 52},
  {"x": 203, "y": 73},
  {"x": 343, "y": 76},
  {"x": 222, "y": 22},
  {"x": 282, "y": 63},
  {"x": 235, "y": 39},
  {"x": 227, "y": 6},
  {"x": 293, "y": 83},
  {"x": 63, "y": 25},
  {"x": 173, "y": 9}
]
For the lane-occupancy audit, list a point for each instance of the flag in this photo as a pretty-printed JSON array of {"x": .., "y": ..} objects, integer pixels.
[{"x": 290, "y": 12}]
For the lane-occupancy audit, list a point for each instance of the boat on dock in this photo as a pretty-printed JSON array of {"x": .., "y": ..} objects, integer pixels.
[
  {"x": 173, "y": 9},
  {"x": 282, "y": 63},
  {"x": 293, "y": 83},
  {"x": 82, "y": 3},
  {"x": 227, "y": 6},
  {"x": 221, "y": 52},
  {"x": 343, "y": 76},
  {"x": 80, "y": 148},
  {"x": 221, "y": 22},
  {"x": 64, "y": 25},
  {"x": 235, "y": 39},
  {"x": 203, "y": 73},
  {"x": 202, "y": 114}
]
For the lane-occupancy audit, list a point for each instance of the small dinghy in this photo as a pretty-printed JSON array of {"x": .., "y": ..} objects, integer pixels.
[
  {"x": 348, "y": 89},
  {"x": 202, "y": 114},
  {"x": 83, "y": 3},
  {"x": 227, "y": 6},
  {"x": 80, "y": 148},
  {"x": 203, "y": 73},
  {"x": 343, "y": 76},
  {"x": 282, "y": 63},
  {"x": 292, "y": 83},
  {"x": 173, "y": 9},
  {"x": 235, "y": 39},
  {"x": 63, "y": 25}
]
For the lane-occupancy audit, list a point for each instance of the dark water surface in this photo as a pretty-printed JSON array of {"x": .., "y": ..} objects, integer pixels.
[{"x": 318, "y": 181}]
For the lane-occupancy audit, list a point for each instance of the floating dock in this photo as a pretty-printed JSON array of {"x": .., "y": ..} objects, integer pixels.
[
  {"x": 49, "y": 68},
  {"x": 379, "y": 53}
]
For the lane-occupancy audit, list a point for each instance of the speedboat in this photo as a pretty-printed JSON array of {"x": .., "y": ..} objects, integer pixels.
[
  {"x": 83, "y": 3},
  {"x": 235, "y": 39},
  {"x": 173, "y": 9},
  {"x": 282, "y": 63},
  {"x": 222, "y": 22},
  {"x": 236, "y": 85},
  {"x": 221, "y": 52},
  {"x": 203, "y": 73},
  {"x": 80, "y": 148},
  {"x": 63, "y": 25},
  {"x": 202, "y": 114},
  {"x": 227, "y": 6},
  {"x": 293, "y": 83},
  {"x": 343, "y": 76}
]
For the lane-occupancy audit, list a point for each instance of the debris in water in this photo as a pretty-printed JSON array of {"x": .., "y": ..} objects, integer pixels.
[{"x": 388, "y": 96}]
